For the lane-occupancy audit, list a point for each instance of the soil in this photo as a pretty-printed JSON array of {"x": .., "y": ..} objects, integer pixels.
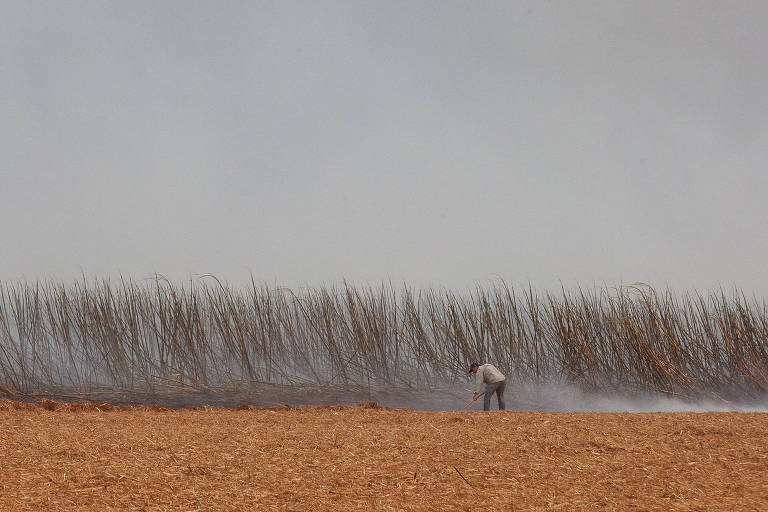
[{"x": 96, "y": 456}]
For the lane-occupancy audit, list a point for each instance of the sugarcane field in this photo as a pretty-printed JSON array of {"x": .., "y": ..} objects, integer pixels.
[
  {"x": 160, "y": 397},
  {"x": 374, "y": 255}
]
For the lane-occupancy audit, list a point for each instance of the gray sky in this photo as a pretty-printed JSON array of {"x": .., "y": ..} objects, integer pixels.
[{"x": 443, "y": 143}]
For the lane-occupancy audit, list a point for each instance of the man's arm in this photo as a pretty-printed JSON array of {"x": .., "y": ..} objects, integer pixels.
[{"x": 479, "y": 382}]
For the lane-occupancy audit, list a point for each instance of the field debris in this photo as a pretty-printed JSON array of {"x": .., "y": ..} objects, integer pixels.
[
  {"x": 83, "y": 406},
  {"x": 89, "y": 456}
]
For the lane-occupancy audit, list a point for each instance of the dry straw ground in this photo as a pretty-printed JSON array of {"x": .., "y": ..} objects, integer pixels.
[{"x": 94, "y": 457}]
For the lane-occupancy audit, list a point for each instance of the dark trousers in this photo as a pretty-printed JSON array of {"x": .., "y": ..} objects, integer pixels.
[{"x": 490, "y": 389}]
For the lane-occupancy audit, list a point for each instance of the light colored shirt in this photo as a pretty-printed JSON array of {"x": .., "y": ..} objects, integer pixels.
[{"x": 487, "y": 373}]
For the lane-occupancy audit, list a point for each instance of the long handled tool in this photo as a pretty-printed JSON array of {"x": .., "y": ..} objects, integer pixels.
[{"x": 471, "y": 401}]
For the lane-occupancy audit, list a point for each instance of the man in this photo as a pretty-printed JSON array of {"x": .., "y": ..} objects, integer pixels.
[{"x": 494, "y": 383}]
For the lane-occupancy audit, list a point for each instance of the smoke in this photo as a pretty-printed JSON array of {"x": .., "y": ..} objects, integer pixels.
[
  {"x": 551, "y": 397},
  {"x": 564, "y": 398},
  {"x": 442, "y": 396}
]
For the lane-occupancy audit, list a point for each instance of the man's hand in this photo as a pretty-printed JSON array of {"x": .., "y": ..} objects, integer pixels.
[{"x": 477, "y": 395}]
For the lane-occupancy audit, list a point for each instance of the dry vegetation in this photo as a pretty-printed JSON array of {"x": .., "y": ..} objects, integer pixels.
[
  {"x": 141, "y": 337},
  {"x": 95, "y": 457}
]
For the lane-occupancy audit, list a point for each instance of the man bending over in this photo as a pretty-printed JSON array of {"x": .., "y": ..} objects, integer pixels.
[{"x": 494, "y": 383}]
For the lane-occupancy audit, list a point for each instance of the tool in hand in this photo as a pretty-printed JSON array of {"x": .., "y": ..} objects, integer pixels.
[{"x": 471, "y": 401}]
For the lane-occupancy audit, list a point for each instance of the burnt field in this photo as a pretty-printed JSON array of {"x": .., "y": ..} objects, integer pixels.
[{"x": 90, "y": 456}]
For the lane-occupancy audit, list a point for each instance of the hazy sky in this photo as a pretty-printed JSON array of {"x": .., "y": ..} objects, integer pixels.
[{"x": 444, "y": 143}]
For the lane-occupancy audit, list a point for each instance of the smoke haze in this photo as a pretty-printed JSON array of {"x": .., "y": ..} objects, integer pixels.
[{"x": 434, "y": 143}]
